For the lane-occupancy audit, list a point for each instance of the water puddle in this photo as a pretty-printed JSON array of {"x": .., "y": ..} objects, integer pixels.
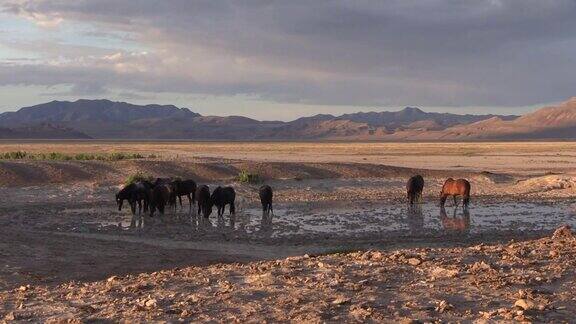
[{"x": 340, "y": 220}]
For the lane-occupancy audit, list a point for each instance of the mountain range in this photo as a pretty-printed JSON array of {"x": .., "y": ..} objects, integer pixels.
[{"x": 105, "y": 119}]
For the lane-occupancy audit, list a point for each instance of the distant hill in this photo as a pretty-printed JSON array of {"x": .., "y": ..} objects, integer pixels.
[
  {"x": 106, "y": 119},
  {"x": 554, "y": 122},
  {"x": 41, "y": 131}
]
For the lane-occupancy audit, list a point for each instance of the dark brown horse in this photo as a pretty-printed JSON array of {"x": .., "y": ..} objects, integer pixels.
[
  {"x": 414, "y": 188},
  {"x": 454, "y": 188},
  {"x": 137, "y": 193},
  {"x": 266, "y": 195},
  {"x": 185, "y": 188},
  {"x": 222, "y": 196},
  {"x": 204, "y": 204},
  {"x": 161, "y": 196}
]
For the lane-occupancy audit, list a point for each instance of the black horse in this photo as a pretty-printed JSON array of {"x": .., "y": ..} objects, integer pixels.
[
  {"x": 203, "y": 197},
  {"x": 414, "y": 188},
  {"x": 161, "y": 196},
  {"x": 222, "y": 196},
  {"x": 185, "y": 188},
  {"x": 266, "y": 196},
  {"x": 137, "y": 193}
]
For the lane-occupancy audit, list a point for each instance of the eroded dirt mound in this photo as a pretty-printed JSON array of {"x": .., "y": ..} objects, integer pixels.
[
  {"x": 30, "y": 173},
  {"x": 525, "y": 281},
  {"x": 547, "y": 183}
]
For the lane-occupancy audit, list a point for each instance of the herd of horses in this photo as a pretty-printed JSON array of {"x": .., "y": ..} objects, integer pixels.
[{"x": 147, "y": 196}]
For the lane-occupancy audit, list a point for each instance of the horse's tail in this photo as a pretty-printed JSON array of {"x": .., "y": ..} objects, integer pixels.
[{"x": 232, "y": 208}]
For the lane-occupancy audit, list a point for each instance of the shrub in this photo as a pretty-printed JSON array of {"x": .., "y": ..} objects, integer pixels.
[
  {"x": 57, "y": 156},
  {"x": 138, "y": 176},
  {"x": 247, "y": 177}
]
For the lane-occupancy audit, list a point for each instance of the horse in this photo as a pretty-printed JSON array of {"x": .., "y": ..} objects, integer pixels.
[
  {"x": 414, "y": 188},
  {"x": 460, "y": 187},
  {"x": 135, "y": 193},
  {"x": 162, "y": 181},
  {"x": 161, "y": 196},
  {"x": 185, "y": 188},
  {"x": 222, "y": 196},
  {"x": 203, "y": 197},
  {"x": 266, "y": 195}
]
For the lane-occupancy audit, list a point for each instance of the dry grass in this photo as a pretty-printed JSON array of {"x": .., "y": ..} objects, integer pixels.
[{"x": 502, "y": 156}]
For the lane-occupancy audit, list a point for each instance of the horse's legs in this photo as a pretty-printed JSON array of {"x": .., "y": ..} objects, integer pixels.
[
  {"x": 190, "y": 203},
  {"x": 232, "y": 208},
  {"x": 466, "y": 201},
  {"x": 443, "y": 200},
  {"x": 455, "y": 201},
  {"x": 133, "y": 207}
]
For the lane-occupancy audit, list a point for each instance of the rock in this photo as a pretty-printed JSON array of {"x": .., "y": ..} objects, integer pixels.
[
  {"x": 480, "y": 266},
  {"x": 111, "y": 279},
  {"x": 10, "y": 317},
  {"x": 524, "y": 304},
  {"x": 414, "y": 261},
  {"x": 341, "y": 300},
  {"x": 151, "y": 303},
  {"x": 443, "y": 306},
  {"x": 377, "y": 256},
  {"x": 563, "y": 232},
  {"x": 553, "y": 253},
  {"x": 24, "y": 288},
  {"x": 440, "y": 272}
]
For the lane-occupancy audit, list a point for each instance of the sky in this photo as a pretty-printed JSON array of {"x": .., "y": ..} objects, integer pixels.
[{"x": 279, "y": 60}]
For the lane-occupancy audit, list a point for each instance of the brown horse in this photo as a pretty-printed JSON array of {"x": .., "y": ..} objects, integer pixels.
[{"x": 460, "y": 187}]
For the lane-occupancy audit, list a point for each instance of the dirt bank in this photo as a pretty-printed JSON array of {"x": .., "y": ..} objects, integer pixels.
[
  {"x": 525, "y": 281},
  {"x": 34, "y": 173}
]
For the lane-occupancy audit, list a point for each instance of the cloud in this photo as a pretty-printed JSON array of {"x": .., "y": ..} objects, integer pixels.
[{"x": 434, "y": 53}]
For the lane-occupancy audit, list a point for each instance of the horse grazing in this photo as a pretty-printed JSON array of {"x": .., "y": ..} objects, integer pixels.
[
  {"x": 460, "y": 187},
  {"x": 203, "y": 197},
  {"x": 135, "y": 193},
  {"x": 160, "y": 197},
  {"x": 414, "y": 188},
  {"x": 266, "y": 195},
  {"x": 222, "y": 196},
  {"x": 185, "y": 188}
]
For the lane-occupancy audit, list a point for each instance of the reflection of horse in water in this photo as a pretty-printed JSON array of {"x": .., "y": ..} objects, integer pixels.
[
  {"x": 415, "y": 219},
  {"x": 455, "y": 224},
  {"x": 266, "y": 225}
]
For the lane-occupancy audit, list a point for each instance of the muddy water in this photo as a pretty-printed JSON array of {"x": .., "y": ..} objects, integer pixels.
[
  {"x": 89, "y": 210},
  {"x": 302, "y": 222}
]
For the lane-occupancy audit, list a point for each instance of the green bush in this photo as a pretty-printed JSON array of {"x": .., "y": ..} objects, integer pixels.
[
  {"x": 58, "y": 156},
  {"x": 138, "y": 176},
  {"x": 247, "y": 177}
]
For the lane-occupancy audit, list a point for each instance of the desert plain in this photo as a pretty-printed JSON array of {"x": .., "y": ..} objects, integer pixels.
[{"x": 342, "y": 245}]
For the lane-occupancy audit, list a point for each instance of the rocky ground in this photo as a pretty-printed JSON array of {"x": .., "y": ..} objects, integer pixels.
[{"x": 523, "y": 281}]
